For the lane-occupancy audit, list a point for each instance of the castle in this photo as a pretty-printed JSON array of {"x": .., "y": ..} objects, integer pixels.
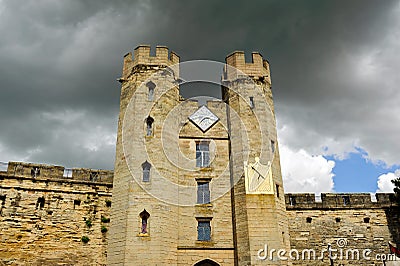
[{"x": 193, "y": 184}]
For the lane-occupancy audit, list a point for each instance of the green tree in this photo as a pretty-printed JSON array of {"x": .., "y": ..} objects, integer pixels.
[{"x": 396, "y": 183}]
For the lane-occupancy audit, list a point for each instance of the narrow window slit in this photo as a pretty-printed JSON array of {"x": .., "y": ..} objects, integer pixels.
[
  {"x": 149, "y": 126},
  {"x": 146, "y": 166},
  {"x": 144, "y": 216},
  {"x": 252, "y": 105},
  {"x": 151, "y": 86}
]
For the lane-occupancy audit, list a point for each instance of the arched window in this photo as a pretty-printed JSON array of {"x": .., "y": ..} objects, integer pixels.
[
  {"x": 144, "y": 217},
  {"x": 149, "y": 126},
  {"x": 146, "y": 171},
  {"x": 151, "y": 86},
  {"x": 206, "y": 262}
]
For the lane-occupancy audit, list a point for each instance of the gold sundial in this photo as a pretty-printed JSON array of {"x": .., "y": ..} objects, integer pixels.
[
  {"x": 258, "y": 178},
  {"x": 203, "y": 118}
]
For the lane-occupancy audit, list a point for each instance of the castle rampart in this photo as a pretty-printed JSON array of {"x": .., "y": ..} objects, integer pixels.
[
  {"x": 45, "y": 211},
  {"x": 346, "y": 221},
  {"x": 43, "y": 217},
  {"x": 307, "y": 201},
  {"x": 50, "y": 215}
]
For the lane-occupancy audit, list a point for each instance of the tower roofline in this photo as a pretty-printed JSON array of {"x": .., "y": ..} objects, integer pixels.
[
  {"x": 141, "y": 56},
  {"x": 258, "y": 68}
]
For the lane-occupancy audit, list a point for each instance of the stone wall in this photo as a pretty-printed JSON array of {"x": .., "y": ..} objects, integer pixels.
[
  {"x": 348, "y": 222},
  {"x": 46, "y": 210},
  {"x": 44, "y": 214}
]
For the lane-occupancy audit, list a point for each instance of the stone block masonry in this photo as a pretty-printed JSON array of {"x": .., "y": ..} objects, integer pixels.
[
  {"x": 44, "y": 214},
  {"x": 182, "y": 192},
  {"x": 349, "y": 222},
  {"x": 45, "y": 211}
]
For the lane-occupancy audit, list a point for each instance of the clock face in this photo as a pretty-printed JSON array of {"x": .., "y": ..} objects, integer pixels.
[{"x": 203, "y": 118}]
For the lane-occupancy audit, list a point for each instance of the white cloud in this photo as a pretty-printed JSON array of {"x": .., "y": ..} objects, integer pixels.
[
  {"x": 356, "y": 106},
  {"x": 303, "y": 172},
  {"x": 384, "y": 181}
]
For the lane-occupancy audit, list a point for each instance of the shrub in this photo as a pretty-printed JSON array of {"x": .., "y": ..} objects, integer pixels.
[
  {"x": 85, "y": 239},
  {"x": 105, "y": 220},
  {"x": 104, "y": 229},
  {"x": 88, "y": 223}
]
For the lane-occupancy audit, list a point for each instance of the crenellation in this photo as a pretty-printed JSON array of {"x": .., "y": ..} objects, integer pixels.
[
  {"x": 385, "y": 198},
  {"x": 44, "y": 217},
  {"x": 359, "y": 224},
  {"x": 141, "y": 56},
  {"x": 237, "y": 67},
  {"x": 47, "y": 211},
  {"x": 92, "y": 175},
  {"x": 35, "y": 170},
  {"x": 45, "y": 171},
  {"x": 338, "y": 201}
]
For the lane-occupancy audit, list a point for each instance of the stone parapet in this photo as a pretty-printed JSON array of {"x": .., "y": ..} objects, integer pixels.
[{"x": 306, "y": 201}]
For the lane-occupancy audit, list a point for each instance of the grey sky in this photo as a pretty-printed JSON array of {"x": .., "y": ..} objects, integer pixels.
[{"x": 334, "y": 68}]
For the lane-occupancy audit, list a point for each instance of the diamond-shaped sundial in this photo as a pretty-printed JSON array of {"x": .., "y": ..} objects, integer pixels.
[{"x": 203, "y": 118}]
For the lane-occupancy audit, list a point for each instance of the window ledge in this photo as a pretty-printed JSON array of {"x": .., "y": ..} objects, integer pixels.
[
  {"x": 204, "y": 205},
  {"x": 206, "y": 169},
  {"x": 205, "y": 243}
]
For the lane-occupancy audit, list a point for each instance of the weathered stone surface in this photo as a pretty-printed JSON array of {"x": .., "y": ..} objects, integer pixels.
[
  {"x": 47, "y": 211},
  {"x": 353, "y": 224},
  {"x": 43, "y": 217},
  {"x": 240, "y": 223}
]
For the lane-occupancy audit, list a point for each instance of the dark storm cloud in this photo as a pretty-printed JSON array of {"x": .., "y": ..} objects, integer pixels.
[{"x": 333, "y": 69}]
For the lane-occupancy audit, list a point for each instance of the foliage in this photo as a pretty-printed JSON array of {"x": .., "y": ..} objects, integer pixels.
[
  {"x": 396, "y": 183},
  {"x": 88, "y": 223},
  {"x": 104, "y": 229},
  {"x": 105, "y": 219},
  {"x": 85, "y": 239}
]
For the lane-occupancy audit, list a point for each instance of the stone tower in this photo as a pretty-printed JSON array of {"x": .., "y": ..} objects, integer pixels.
[
  {"x": 258, "y": 205},
  {"x": 196, "y": 185}
]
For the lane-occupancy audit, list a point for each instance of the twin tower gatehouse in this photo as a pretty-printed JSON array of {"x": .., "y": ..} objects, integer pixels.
[{"x": 195, "y": 183}]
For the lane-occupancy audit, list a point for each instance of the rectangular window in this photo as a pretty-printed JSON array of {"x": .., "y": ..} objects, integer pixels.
[
  {"x": 204, "y": 231},
  {"x": 203, "y": 192},
  {"x": 202, "y": 154}
]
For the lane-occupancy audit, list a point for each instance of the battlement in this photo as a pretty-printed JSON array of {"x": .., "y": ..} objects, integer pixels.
[
  {"x": 44, "y": 171},
  {"x": 305, "y": 201},
  {"x": 258, "y": 68},
  {"x": 141, "y": 56}
]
